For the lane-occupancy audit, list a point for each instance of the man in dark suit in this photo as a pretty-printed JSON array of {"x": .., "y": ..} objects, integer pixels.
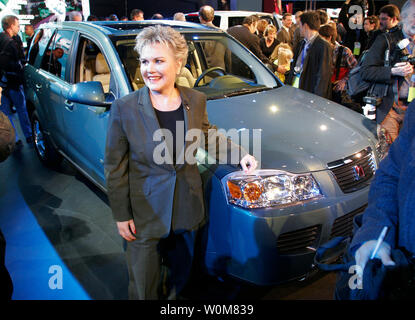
[
  {"x": 297, "y": 37},
  {"x": 311, "y": 67},
  {"x": 286, "y": 33},
  {"x": 245, "y": 34}
]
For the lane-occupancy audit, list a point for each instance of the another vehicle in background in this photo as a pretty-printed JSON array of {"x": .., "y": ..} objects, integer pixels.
[{"x": 227, "y": 19}]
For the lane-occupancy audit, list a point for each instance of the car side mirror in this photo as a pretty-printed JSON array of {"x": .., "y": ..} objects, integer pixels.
[{"x": 89, "y": 93}]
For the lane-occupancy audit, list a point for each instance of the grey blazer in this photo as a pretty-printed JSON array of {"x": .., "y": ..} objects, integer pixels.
[
  {"x": 285, "y": 37},
  {"x": 157, "y": 196}
]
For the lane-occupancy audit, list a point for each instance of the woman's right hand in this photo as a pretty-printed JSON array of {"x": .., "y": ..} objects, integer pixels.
[{"x": 125, "y": 228}]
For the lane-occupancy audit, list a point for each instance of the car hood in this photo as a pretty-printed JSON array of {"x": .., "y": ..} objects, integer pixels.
[{"x": 300, "y": 132}]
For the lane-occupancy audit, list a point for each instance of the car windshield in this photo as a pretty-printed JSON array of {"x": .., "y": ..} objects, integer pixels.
[{"x": 217, "y": 66}]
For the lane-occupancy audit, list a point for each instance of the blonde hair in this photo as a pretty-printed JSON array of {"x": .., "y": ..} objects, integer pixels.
[
  {"x": 285, "y": 58},
  {"x": 163, "y": 35},
  {"x": 270, "y": 28}
]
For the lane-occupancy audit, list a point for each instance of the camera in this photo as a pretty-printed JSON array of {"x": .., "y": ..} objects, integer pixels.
[
  {"x": 408, "y": 58},
  {"x": 369, "y": 109}
]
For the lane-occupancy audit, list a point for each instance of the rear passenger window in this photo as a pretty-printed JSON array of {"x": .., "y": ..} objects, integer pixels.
[{"x": 56, "y": 55}]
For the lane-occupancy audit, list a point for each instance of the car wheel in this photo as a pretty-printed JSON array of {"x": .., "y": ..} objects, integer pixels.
[{"x": 47, "y": 154}]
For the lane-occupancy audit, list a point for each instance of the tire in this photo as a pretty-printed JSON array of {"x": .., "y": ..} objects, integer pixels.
[{"x": 45, "y": 151}]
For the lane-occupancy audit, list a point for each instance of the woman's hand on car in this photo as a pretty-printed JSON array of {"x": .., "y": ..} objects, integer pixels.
[{"x": 248, "y": 164}]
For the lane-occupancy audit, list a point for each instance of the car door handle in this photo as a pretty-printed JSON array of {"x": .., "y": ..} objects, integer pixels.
[{"x": 69, "y": 105}]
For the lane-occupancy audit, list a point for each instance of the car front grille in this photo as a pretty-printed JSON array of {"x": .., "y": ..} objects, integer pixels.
[
  {"x": 354, "y": 172},
  {"x": 299, "y": 241},
  {"x": 343, "y": 226}
]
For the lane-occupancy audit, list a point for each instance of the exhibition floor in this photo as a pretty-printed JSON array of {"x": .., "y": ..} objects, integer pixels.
[{"x": 63, "y": 244}]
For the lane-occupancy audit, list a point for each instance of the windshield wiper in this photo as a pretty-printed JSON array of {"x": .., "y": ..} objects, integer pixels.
[
  {"x": 246, "y": 91},
  {"x": 239, "y": 92}
]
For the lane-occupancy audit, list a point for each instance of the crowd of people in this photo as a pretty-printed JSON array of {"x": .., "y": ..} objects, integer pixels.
[{"x": 315, "y": 54}]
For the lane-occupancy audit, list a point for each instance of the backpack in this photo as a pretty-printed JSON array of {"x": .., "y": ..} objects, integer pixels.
[{"x": 355, "y": 83}]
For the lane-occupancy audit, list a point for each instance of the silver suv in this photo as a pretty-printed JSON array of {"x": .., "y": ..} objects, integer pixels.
[{"x": 317, "y": 158}]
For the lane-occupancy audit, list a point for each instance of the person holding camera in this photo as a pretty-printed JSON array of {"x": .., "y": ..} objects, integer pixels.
[{"x": 384, "y": 67}]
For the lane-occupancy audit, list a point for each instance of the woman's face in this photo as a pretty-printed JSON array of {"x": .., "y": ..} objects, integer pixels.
[
  {"x": 159, "y": 67},
  {"x": 271, "y": 36},
  {"x": 368, "y": 26}
]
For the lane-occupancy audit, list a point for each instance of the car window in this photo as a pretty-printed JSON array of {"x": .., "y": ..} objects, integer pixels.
[
  {"x": 216, "y": 65},
  {"x": 46, "y": 55},
  {"x": 131, "y": 62},
  {"x": 193, "y": 18},
  {"x": 216, "y": 21},
  {"x": 57, "y": 53},
  {"x": 269, "y": 20},
  {"x": 234, "y": 21},
  {"x": 38, "y": 46},
  {"x": 91, "y": 64}
]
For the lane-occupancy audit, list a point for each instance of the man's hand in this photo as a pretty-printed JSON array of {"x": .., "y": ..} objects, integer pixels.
[
  {"x": 365, "y": 251},
  {"x": 248, "y": 164},
  {"x": 125, "y": 228},
  {"x": 402, "y": 69}
]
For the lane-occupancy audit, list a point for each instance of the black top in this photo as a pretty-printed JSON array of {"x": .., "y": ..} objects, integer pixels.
[
  {"x": 267, "y": 51},
  {"x": 12, "y": 59},
  {"x": 167, "y": 120}
]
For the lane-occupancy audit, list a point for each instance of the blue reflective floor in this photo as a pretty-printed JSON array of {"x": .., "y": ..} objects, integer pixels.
[{"x": 62, "y": 243}]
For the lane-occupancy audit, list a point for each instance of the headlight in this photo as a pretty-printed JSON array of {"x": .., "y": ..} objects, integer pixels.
[{"x": 269, "y": 188}]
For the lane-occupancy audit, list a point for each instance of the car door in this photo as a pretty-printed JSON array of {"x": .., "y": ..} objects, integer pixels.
[
  {"x": 86, "y": 124},
  {"x": 50, "y": 82}
]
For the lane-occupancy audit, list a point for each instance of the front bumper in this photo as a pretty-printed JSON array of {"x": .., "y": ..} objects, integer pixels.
[{"x": 270, "y": 246}]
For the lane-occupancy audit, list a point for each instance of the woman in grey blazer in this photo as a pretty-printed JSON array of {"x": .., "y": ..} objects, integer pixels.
[{"x": 156, "y": 193}]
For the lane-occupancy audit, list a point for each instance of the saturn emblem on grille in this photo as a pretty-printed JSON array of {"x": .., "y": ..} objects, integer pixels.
[{"x": 358, "y": 172}]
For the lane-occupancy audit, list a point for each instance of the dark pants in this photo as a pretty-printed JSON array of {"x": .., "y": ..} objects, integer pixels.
[
  {"x": 17, "y": 97},
  {"x": 158, "y": 269}
]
